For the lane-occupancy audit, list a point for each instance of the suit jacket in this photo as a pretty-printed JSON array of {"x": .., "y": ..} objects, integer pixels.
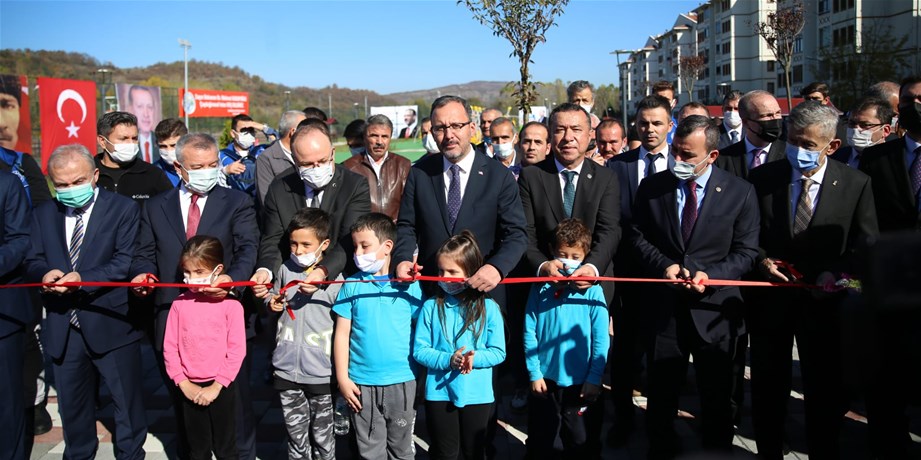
[
  {"x": 15, "y": 222},
  {"x": 411, "y": 133},
  {"x": 732, "y": 158},
  {"x": 228, "y": 216},
  {"x": 596, "y": 203},
  {"x": 270, "y": 164},
  {"x": 491, "y": 209},
  {"x": 346, "y": 198},
  {"x": 624, "y": 165},
  {"x": 896, "y": 206},
  {"x": 109, "y": 243},
  {"x": 724, "y": 244},
  {"x": 843, "y": 219},
  {"x": 725, "y": 139},
  {"x": 843, "y": 154}
]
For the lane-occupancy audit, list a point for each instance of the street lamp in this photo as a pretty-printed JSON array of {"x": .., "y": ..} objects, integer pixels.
[
  {"x": 623, "y": 93},
  {"x": 355, "y": 104},
  {"x": 186, "y": 96},
  {"x": 287, "y": 95},
  {"x": 103, "y": 78}
]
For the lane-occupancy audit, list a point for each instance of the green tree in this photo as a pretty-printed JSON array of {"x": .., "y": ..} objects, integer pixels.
[
  {"x": 523, "y": 23},
  {"x": 780, "y": 31}
]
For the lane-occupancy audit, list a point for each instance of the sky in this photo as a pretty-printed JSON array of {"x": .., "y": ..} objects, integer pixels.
[{"x": 383, "y": 46}]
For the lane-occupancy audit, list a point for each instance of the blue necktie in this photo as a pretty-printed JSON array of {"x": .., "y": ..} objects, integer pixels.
[
  {"x": 454, "y": 195},
  {"x": 569, "y": 191}
]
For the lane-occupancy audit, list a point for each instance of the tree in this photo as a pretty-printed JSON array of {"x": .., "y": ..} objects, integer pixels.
[
  {"x": 523, "y": 23},
  {"x": 850, "y": 68},
  {"x": 689, "y": 67},
  {"x": 780, "y": 32}
]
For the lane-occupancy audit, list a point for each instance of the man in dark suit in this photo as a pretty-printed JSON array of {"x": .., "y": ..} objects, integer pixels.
[
  {"x": 486, "y": 119},
  {"x": 89, "y": 234},
  {"x": 198, "y": 207},
  {"x": 16, "y": 316},
  {"x": 761, "y": 129},
  {"x": 566, "y": 186},
  {"x": 731, "y": 127},
  {"x": 694, "y": 222},
  {"x": 895, "y": 168},
  {"x": 410, "y": 130},
  {"x": 316, "y": 182},
  {"x": 869, "y": 124},
  {"x": 460, "y": 190},
  {"x": 815, "y": 213},
  {"x": 653, "y": 123}
]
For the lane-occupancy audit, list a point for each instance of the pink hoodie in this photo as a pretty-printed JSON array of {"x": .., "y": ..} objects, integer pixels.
[{"x": 205, "y": 339}]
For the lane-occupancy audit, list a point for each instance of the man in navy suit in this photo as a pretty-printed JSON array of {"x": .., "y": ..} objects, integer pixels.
[
  {"x": 88, "y": 234},
  {"x": 198, "y": 207},
  {"x": 15, "y": 315},
  {"x": 693, "y": 222}
]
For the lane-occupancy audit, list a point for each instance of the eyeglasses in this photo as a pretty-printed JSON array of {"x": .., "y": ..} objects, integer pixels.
[
  {"x": 454, "y": 127},
  {"x": 864, "y": 126}
]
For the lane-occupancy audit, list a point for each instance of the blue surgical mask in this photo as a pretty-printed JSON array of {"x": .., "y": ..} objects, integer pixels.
[
  {"x": 356, "y": 150},
  {"x": 569, "y": 265},
  {"x": 685, "y": 171},
  {"x": 76, "y": 196},
  {"x": 452, "y": 288},
  {"x": 802, "y": 159}
]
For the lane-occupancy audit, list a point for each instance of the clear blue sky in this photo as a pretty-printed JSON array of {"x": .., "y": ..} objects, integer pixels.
[{"x": 384, "y": 46}]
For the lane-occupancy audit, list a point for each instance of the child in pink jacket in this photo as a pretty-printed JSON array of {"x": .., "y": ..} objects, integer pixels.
[{"x": 203, "y": 348}]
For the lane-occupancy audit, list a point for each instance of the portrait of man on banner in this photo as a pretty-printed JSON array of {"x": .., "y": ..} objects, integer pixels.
[
  {"x": 15, "y": 125},
  {"x": 144, "y": 103}
]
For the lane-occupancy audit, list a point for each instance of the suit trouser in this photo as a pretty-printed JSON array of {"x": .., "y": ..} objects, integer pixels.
[
  {"x": 75, "y": 375},
  {"x": 666, "y": 374},
  {"x": 816, "y": 326},
  {"x": 14, "y": 443},
  {"x": 626, "y": 353},
  {"x": 559, "y": 415}
]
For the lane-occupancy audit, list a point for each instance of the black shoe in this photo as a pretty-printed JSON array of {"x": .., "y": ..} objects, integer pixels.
[{"x": 42, "y": 420}]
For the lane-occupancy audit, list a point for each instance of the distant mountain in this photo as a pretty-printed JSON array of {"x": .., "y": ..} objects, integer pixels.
[{"x": 486, "y": 92}]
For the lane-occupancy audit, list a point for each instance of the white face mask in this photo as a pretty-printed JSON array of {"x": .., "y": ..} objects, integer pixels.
[
  {"x": 861, "y": 138},
  {"x": 429, "y": 143},
  {"x": 369, "y": 263},
  {"x": 587, "y": 107},
  {"x": 305, "y": 260},
  {"x": 732, "y": 118},
  {"x": 168, "y": 155},
  {"x": 569, "y": 265},
  {"x": 201, "y": 180},
  {"x": 124, "y": 153},
  {"x": 503, "y": 151},
  {"x": 206, "y": 280},
  {"x": 317, "y": 177},
  {"x": 245, "y": 140},
  {"x": 686, "y": 171}
]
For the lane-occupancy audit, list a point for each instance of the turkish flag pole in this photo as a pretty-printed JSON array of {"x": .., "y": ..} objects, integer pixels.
[{"x": 68, "y": 114}]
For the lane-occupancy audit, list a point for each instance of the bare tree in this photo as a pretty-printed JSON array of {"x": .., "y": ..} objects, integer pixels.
[
  {"x": 689, "y": 68},
  {"x": 523, "y": 23},
  {"x": 780, "y": 32}
]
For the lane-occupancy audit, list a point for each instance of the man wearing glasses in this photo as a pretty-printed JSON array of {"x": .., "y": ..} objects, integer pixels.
[{"x": 868, "y": 124}]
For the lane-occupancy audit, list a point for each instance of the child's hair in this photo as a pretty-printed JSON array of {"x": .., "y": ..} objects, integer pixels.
[
  {"x": 314, "y": 219},
  {"x": 381, "y": 224},
  {"x": 572, "y": 233},
  {"x": 464, "y": 249},
  {"x": 207, "y": 250}
]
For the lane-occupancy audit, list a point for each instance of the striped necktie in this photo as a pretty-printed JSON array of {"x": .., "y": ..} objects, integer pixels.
[{"x": 76, "y": 242}]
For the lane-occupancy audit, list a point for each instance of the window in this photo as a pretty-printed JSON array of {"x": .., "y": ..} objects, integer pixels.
[
  {"x": 823, "y": 6},
  {"x": 844, "y": 36},
  {"x": 770, "y": 87},
  {"x": 797, "y": 74},
  {"x": 841, "y": 5},
  {"x": 660, "y": 59},
  {"x": 719, "y": 70},
  {"x": 725, "y": 5},
  {"x": 824, "y": 37},
  {"x": 702, "y": 35},
  {"x": 727, "y": 69},
  {"x": 727, "y": 26},
  {"x": 798, "y": 45},
  {"x": 770, "y": 66},
  {"x": 726, "y": 48}
]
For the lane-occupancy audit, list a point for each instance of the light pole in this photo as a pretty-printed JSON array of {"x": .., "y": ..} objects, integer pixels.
[
  {"x": 623, "y": 94},
  {"x": 356, "y": 110},
  {"x": 287, "y": 95},
  {"x": 185, "y": 93},
  {"x": 103, "y": 77}
]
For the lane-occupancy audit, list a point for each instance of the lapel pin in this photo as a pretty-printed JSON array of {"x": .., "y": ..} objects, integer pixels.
[
  {"x": 589, "y": 176},
  {"x": 719, "y": 189},
  {"x": 480, "y": 172},
  {"x": 834, "y": 183}
]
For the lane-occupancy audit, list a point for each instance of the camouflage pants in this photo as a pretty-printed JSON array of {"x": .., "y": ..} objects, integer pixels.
[{"x": 309, "y": 420}]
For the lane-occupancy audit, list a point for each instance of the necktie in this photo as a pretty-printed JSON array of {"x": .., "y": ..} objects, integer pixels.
[
  {"x": 756, "y": 158},
  {"x": 914, "y": 173},
  {"x": 454, "y": 195},
  {"x": 734, "y": 136},
  {"x": 803, "y": 209},
  {"x": 76, "y": 241},
  {"x": 147, "y": 151},
  {"x": 689, "y": 213},
  {"x": 315, "y": 199},
  {"x": 569, "y": 191},
  {"x": 194, "y": 218},
  {"x": 651, "y": 166}
]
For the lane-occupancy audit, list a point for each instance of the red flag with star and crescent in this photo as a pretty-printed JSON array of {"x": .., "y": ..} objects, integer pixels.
[{"x": 68, "y": 114}]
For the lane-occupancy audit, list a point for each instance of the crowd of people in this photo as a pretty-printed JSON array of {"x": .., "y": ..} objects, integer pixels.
[{"x": 335, "y": 256}]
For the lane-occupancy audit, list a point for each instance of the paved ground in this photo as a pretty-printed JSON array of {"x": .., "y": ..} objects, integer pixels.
[{"x": 509, "y": 445}]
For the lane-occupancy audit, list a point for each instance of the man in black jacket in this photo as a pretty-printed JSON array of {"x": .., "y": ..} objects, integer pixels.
[{"x": 119, "y": 168}]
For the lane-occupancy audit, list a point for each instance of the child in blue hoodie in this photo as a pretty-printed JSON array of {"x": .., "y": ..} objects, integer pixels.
[
  {"x": 566, "y": 347},
  {"x": 460, "y": 338}
]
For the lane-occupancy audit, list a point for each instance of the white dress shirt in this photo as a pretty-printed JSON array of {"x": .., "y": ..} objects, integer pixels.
[
  {"x": 185, "y": 202},
  {"x": 562, "y": 178},
  {"x": 797, "y": 186},
  {"x": 70, "y": 220},
  {"x": 376, "y": 166},
  {"x": 465, "y": 166},
  {"x": 661, "y": 162}
]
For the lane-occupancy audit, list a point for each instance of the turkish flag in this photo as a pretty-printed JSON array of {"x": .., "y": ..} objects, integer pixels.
[{"x": 68, "y": 114}]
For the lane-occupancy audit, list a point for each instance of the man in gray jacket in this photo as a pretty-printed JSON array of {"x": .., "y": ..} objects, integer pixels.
[{"x": 277, "y": 157}]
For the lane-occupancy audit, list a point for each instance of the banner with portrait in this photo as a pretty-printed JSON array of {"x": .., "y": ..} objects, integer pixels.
[
  {"x": 15, "y": 124},
  {"x": 405, "y": 119},
  {"x": 144, "y": 103},
  {"x": 203, "y": 103}
]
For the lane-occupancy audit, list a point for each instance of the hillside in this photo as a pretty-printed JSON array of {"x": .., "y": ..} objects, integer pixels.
[{"x": 485, "y": 91}]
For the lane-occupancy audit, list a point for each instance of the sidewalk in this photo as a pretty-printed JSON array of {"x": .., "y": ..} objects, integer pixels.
[{"x": 509, "y": 442}]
